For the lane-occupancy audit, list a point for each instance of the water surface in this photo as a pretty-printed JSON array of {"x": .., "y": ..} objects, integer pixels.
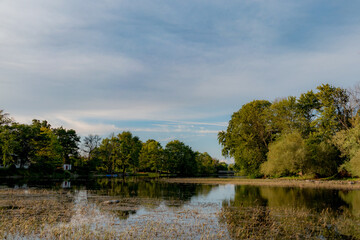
[{"x": 174, "y": 210}]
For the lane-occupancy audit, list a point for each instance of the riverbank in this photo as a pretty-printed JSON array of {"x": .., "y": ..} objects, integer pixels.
[{"x": 330, "y": 184}]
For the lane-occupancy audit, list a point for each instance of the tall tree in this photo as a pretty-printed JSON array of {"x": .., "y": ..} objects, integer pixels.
[
  {"x": 107, "y": 154},
  {"x": 47, "y": 150},
  {"x": 247, "y": 136},
  {"x": 151, "y": 156},
  {"x": 91, "y": 143},
  {"x": 206, "y": 165},
  {"x": 307, "y": 106},
  {"x": 334, "y": 111},
  {"x": 45, "y": 147},
  {"x": 180, "y": 158},
  {"x": 23, "y": 144},
  {"x": 287, "y": 156},
  {"x": 282, "y": 116},
  {"x": 68, "y": 140},
  {"x": 127, "y": 150},
  {"x": 7, "y": 145},
  {"x": 348, "y": 142}
]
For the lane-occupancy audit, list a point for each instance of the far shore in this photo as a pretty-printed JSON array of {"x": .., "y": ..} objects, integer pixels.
[{"x": 330, "y": 184}]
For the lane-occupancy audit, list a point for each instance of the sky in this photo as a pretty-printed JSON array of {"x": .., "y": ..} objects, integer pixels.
[{"x": 168, "y": 70}]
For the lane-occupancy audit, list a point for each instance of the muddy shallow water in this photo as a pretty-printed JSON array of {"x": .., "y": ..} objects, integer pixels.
[{"x": 138, "y": 208}]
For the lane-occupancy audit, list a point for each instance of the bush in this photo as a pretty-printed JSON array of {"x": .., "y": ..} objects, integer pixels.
[
  {"x": 353, "y": 166},
  {"x": 286, "y": 156}
]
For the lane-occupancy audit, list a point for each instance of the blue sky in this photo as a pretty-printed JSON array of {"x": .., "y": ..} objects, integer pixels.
[{"x": 168, "y": 69}]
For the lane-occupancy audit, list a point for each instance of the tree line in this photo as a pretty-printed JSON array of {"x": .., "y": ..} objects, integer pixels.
[
  {"x": 43, "y": 148},
  {"x": 316, "y": 134}
]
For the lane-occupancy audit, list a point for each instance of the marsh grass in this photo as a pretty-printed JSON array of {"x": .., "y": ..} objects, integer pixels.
[
  {"x": 45, "y": 214},
  {"x": 289, "y": 223},
  {"x": 26, "y": 212}
]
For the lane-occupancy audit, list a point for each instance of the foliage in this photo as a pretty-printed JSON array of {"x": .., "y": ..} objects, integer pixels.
[
  {"x": 324, "y": 157},
  {"x": 69, "y": 142},
  {"x": 106, "y": 154},
  {"x": 348, "y": 142},
  {"x": 313, "y": 119},
  {"x": 127, "y": 151},
  {"x": 206, "y": 165},
  {"x": 151, "y": 156},
  {"x": 287, "y": 156},
  {"x": 334, "y": 112},
  {"x": 247, "y": 136},
  {"x": 180, "y": 158},
  {"x": 45, "y": 149},
  {"x": 282, "y": 115}
]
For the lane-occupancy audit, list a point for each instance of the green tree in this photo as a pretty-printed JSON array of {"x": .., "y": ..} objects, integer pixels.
[
  {"x": 324, "y": 156},
  {"x": 247, "y": 136},
  {"x": 282, "y": 116},
  {"x": 333, "y": 110},
  {"x": 46, "y": 147},
  {"x": 206, "y": 165},
  {"x": 8, "y": 144},
  {"x": 287, "y": 156},
  {"x": 348, "y": 142},
  {"x": 127, "y": 150},
  {"x": 306, "y": 109},
  {"x": 4, "y": 118},
  {"x": 106, "y": 154},
  {"x": 151, "y": 156},
  {"x": 22, "y": 143},
  {"x": 91, "y": 143},
  {"x": 68, "y": 140},
  {"x": 180, "y": 158}
]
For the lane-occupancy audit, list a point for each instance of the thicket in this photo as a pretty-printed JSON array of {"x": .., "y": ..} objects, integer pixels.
[
  {"x": 44, "y": 149},
  {"x": 316, "y": 134}
]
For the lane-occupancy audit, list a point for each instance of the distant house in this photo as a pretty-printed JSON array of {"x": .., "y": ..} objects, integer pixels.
[
  {"x": 67, "y": 167},
  {"x": 66, "y": 184}
]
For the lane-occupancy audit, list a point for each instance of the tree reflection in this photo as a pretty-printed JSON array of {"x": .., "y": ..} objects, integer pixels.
[
  {"x": 292, "y": 213},
  {"x": 311, "y": 198}
]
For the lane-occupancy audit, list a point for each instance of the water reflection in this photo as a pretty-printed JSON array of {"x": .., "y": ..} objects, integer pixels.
[
  {"x": 240, "y": 195},
  {"x": 311, "y": 198},
  {"x": 125, "y": 203},
  {"x": 292, "y": 213},
  {"x": 149, "y": 188},
  {"x": 352, "y": 198}
]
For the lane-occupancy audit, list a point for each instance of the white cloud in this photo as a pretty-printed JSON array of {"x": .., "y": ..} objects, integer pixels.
[{"x": 177, "y": 62}]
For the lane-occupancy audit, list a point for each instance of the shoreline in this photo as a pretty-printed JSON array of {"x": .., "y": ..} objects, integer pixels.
[{"x": 329, "y": 184}]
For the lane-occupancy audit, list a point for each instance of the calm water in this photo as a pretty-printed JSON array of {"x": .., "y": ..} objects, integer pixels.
[
  {"x": 188, "y": 207},
  {"x": 235, "y": 195}
]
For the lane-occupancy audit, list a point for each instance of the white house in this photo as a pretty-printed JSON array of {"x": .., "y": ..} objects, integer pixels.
[{"x": 67, "y": 167}]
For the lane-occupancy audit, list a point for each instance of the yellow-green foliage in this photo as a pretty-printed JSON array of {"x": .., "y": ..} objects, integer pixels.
[
  {"x": 348, "y": 142},
  {"x": 286, "y": 156},
  {"x": 353, "y": 166}
]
